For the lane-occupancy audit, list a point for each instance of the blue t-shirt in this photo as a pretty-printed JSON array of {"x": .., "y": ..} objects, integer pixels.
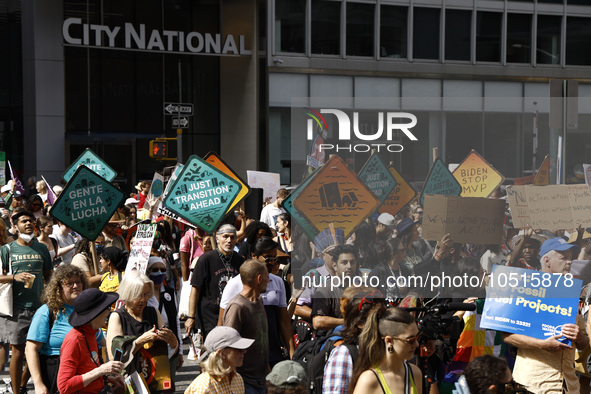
[{"x": 52, "y": 338}]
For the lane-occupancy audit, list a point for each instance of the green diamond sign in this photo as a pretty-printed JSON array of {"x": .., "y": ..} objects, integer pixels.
[
  {"x": 201, "y": 194},
  {"x": 87, "y": 203},
  {"x": 91, "y": 160},
  {"x": 377, "y": 177}
]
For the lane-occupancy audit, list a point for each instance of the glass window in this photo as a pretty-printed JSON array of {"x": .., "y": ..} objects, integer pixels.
[
  {"x": 502, "y": 142},
  {"x": 551, "y": 1},
  {"x": 360, "y": 29},
  {"x": 393, "y": 31},
  {"x": 426, "y": 33},
  {"x": 488, "y": 36},
  {"x": 463, "y": 132},
  {"x": 326, "y": 27},
  {"x": 548, "y": 39},
  {"x": 518, "y": 38},
  {"x": 457, "y": 34},
  {"x": 290, "y": 25},
  {"x": 578, "y": 41}
]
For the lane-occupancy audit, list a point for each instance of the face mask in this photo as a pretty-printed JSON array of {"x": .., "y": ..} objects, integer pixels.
[
  {"x": 100, "y": 249},
  {"x": 26, "y": 237},
  {"x": 157, "y": 278}
]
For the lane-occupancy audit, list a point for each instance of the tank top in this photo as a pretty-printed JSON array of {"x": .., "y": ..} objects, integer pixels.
[
  {"x": 409, "y": 382},
  {"x": 131, "y": 326}
]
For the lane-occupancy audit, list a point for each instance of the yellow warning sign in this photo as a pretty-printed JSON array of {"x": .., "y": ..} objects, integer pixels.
[
  {"x": 543, "y": 175},
  {"x": 399, "y": 197},
  {"x": 477, "y": 177},
  {"x": 336, "y": 195},
  {"x": 215, "y": 160}
]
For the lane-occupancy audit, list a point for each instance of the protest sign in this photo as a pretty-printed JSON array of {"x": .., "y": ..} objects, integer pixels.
[
  {"x": 399, "y": 197},
  {"x": 543, "y": 174},
  {"x": 215, "y": 160},
  {"x": 268, "y": 181},
  {"x": 377, "y": 178},
  {"x": 526, "y": 180},
  {"x": 587, "y": 172},
  {"x": 140, "y": 250},
  {"x": 87, "y": 203},
  {"x": 532, "y": 303},
  {"x": 91, "y": 160},
  {"x": 554, "y": 207},
  {"x": 296, "y": 217},
  {"x": 169, "y": 180},
  {"x": 201, "y": 194},
  {"x": 440, "y": 181},
  {"x": 157, "y": 187},
  {"x": 336, "y": 195},
  {"x": 469, "y": 220},
  {"x": 477, "y": 177}
]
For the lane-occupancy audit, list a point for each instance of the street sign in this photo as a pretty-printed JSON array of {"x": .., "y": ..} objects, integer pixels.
[
  {"x": 440, "y": 181},
  {"x": 399, "y": 197},
  {"x": 180, "y": 123},
  {"x": 178, "y": 109},
  {"x": 92, "y": 161},
  {"x": 476, "y": 176},
  {"x": 336, "y": 195},
  {"x": 87, "y": 203},
  {"x": 201, "y": 194},
  {"x": 376, "y": 176},
  {"x": 215, "y": 160}
]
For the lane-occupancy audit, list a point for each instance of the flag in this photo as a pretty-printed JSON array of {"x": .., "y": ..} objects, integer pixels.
[
  {"x": 51, "y": 197},
  {"x": 19, "y": 185}
]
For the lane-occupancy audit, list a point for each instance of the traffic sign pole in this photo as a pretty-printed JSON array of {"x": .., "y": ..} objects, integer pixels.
[{"x": 179, "y": 145}]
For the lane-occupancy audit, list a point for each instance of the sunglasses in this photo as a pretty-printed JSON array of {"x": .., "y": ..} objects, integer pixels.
[
  {"x": 410, "y": 340},
  {"x": 369, "y": 298},
  {"x": 271, "y": 260},
  {"x": 154, "y": 270}
]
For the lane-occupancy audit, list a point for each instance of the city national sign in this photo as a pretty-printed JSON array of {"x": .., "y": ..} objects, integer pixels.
[{"x": 87, "y": 203}]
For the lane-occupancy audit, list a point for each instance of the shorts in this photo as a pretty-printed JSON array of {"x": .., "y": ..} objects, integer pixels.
[{"x": 15, "y": 328}]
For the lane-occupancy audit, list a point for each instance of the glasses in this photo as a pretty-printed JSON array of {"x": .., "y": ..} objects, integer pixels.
[
  {"x": 369, "y": 298},
  {"x": 410, "y": 340},
  {"x": 270, "y": 259},
  {"x": 69, "y": 285},
  {"x": 154, "y": 270}
]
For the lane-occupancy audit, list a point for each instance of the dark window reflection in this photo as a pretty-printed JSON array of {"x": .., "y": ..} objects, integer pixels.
[
  {"x": 457, "y": 34},
  {"x": 426, "y": 33},
  {"x": 578, "y": 41},
  {"x": 548, "y": 39},
  {"x": 393, "y": 31},
  {"x": 488, "y": 36},
  {"x": 326, "y": 27},
  {"x": 518, "y": 38},
  {"x": 360, "y": 29},
  {"x": 290, "y": 25}
]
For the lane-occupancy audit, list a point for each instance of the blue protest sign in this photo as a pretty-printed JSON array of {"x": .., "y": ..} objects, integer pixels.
[
  {"x": 440, "y": 181},
  {"x": 87, "y": 203},
  {"x": 377, "y": 177},
  {"x": 530, "y": 302},
  {"x": 91, "y": 160},
  {"x": 287, "y": 204},
  {"x": 201, "y": 194}
]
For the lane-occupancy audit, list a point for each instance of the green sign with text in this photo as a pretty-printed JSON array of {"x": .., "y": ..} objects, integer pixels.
[{"x": 91, "y": 160}]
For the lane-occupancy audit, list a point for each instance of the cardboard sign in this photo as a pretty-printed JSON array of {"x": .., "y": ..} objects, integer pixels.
[
  {"x": 87, "y": 203},
  {"x": 543, "y": 175},
  {"x": 477, "y": 177},
  {"x": 215, "y": 160},
  {"x": 440, "y": 181},
  {"x": 587, "y": 172},
  {"x": 468, "y": 220},
  {"x": 377, "y": 178},
  {"x": 296, "y": 217},
  {"x": 529, "y": 302},
  {"x": 554, "y": 207},
  {"x": 399, "y": 197},
  {"x": 91, "y": 160},
  {"x": 268, "y": 181},
  {"x": 201, "y": 194},
  {"x": 140, "y": 250},
  {"x": 336, "y": 195},
  {"x": 526, "y": 180}
]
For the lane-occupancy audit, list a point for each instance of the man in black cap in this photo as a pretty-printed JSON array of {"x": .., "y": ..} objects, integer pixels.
[{"x": 25, "y": 263}]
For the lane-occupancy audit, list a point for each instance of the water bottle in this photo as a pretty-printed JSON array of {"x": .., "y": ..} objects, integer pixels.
[{"x": 198, "y": 343}]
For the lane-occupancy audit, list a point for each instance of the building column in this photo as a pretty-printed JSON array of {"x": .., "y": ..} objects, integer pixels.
[{"x": 43, "y": 89}]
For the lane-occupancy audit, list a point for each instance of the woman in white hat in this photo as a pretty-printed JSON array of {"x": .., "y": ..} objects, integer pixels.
[{"x": 223, "y": 352}]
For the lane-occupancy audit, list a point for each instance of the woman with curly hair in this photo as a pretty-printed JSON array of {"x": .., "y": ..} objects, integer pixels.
[
  {"x": 252, "y": 233},
  {"x": 50, "y": 326}
]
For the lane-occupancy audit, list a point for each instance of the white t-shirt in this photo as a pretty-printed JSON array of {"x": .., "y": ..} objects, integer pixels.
[
  {"x": 489, "y": 258},
  {"x": 275, "y": 294},
  {"x": 269, "y": 215}
]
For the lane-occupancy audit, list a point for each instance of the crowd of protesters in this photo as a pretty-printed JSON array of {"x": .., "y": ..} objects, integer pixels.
[{"x": 75, "y": 307}]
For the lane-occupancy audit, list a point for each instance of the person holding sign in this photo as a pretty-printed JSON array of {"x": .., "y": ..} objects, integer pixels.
[
  {"x": 547, "y": 365},
  {"x": 525, "y": 248}
]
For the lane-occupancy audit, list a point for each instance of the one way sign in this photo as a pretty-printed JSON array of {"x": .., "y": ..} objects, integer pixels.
[
  {"x": 178, "y": 109},
  {"x": 182, "y": 123}
]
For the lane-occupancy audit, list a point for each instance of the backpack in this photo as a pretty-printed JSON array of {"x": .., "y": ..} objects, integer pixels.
[{"x": 313, "y": 356}]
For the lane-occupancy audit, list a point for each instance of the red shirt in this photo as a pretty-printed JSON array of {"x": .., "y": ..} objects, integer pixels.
[{"x": 76, "y": 360}]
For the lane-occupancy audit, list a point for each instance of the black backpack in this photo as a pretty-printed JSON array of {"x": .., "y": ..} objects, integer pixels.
[{"x": 313, "y": 356}]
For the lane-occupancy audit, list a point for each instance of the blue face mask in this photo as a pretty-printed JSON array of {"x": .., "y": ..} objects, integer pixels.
[{"x": 157, "y": 278}]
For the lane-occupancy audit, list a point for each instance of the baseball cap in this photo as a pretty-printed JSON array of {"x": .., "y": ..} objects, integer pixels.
[
  {"x": 222, "y": 337},
  {"x": 288, "y": 373},
  {"x": 5, "y": 188},
  {"x": 558, "y": 244},
  {"x": 387, "y": 220}
]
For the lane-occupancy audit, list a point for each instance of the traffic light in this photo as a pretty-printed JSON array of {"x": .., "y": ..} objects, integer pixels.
[{"x": 158, "y": 149}]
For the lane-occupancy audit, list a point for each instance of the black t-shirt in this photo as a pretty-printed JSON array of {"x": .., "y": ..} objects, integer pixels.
[
  {"x": 211, "y": 275},
  {"x": 327, "y": 302}
]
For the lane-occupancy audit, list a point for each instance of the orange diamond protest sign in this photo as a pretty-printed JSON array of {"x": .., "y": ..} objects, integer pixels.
[
  {"x": 399, "y": 197},
  {"x": 215, "y": 160},
  {"x": 477, "y": 177}
]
